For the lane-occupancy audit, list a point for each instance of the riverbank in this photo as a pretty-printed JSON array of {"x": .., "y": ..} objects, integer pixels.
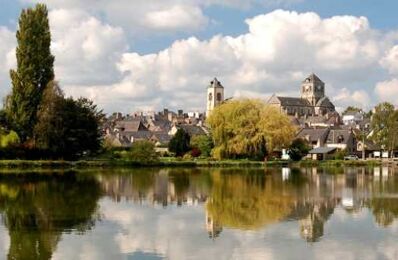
[{"x": 173, "y": 162}]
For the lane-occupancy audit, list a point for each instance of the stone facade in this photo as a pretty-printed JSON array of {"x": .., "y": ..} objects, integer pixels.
[
  {"x": 312, "y": 102},
  {"x": 215, "y": 95}
]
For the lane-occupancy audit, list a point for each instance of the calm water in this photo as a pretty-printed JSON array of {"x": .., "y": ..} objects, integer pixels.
[{"x": 201, "y": 214}]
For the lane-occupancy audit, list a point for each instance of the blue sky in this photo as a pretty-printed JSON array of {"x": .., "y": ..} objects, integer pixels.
[{"x": 150, "y": 52}]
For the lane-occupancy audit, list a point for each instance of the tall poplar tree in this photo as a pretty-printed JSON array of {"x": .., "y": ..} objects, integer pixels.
[{"x": 35, "y": 69}]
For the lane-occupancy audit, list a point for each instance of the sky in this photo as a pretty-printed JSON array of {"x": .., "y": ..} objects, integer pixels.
[{"x": 130, "y": 55}]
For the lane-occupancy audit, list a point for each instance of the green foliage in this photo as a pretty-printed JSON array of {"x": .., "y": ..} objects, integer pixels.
[
  {"x": 34, "y": 70},
  {"x": 49, "y": 127},
  {"x": 180, "y": 143},
  {"x": 204, "y": 143},
  {"x": 81, "y": 133},
  {"x": 10, "y": 139},
  {"x": 298, "y": 149},
  {"x": 247, "y": 129},
  {"x": 67, "y": 128},
  {"x": 143, "y": 151},
  {"x": 339, "y": 155},
  {"x": 351, "y": 109},
  {"x": 385, "y": 126}
]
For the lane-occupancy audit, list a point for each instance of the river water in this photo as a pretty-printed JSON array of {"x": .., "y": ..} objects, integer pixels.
[{"x": 308, "y": 213}]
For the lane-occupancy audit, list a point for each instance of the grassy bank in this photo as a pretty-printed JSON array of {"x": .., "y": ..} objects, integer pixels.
[{"x": 172, "y": 162}]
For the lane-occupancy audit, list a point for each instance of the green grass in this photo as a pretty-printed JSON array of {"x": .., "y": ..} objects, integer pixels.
[{"x": 172, "y": 162}]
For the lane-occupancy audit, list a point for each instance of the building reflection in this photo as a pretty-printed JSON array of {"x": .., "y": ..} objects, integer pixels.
[{"x": 255, "y": 199}]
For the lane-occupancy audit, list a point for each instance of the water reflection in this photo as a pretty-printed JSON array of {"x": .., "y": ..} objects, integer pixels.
[
  {"x": 37, "y": 210},
  {"x": 42, "y": 212}
]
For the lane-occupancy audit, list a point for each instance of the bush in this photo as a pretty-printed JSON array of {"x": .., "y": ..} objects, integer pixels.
[
  {"x": 180, "y": 143},
  {"x": 10, "y": 139},
  {"x": 187, "y": 156},
  {"x": 203, "y": 143},
  {"x": 143, "y": 151},
  {"x": 339, "y": 155},
  {"x": 298, "y": 149},
  {"x": 195, "y": 152}
]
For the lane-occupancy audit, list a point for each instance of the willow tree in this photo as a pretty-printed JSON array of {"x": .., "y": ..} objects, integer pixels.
[
  {"x": 34, "y": 69},
  {"x": 248, "y": 128}
]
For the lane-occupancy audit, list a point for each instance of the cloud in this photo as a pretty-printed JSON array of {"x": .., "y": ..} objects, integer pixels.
[
  {"x": 388, "y": 91},
  {"x": 7, "y": 56},
  {"x": 278, "y": 51},
  {"x": 85, "y": 48}
]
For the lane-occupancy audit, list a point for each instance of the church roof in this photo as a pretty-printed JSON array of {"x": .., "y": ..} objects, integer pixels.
[
  {"x": 324, "y": 102},
  {"x": 312, "y": 78},
  {"x": 215, "y": 84},
  {"x": 293, "y": 101}
]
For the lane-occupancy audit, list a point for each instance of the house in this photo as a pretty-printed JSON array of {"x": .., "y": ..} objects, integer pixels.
[
  {"x": 316, "y": 137},
  {"x": 322, "y": 153},
  {"x": 130, "y": 125},
  {"x": 341, "y": 139},
  {"x": 353, "y": 117}
]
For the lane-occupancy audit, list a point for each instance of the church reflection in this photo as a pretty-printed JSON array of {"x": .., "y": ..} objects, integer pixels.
[
  {"x": 38, "y": 209},
  {"x": 255, "y": 199}
]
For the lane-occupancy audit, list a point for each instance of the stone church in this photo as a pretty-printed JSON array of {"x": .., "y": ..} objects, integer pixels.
[{"x": 312, "y": 102}]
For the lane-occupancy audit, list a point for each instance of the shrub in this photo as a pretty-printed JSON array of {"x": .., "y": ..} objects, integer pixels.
[
  {"x": 203, "y": 143},
  {"x": 143, "y": 151},
  {"x": 195, "y": 152},
  {"x": 298, "y": 149},
  {"x": 179, "y": 144}
]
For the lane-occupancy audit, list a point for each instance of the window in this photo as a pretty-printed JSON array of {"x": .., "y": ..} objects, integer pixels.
[
  {"x": 218, "y": 96},
  {"x": 210, "y": 96}
]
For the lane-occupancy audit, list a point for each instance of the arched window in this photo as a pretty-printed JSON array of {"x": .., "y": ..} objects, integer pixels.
[
  {"x": 218, "y": 96},
  {"x": 210, "y": 96}
]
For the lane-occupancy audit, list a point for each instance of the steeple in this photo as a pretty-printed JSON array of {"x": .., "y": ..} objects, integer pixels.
[
  {"x": 312, "y": 89},
  {"x": 215, "y": 95}
]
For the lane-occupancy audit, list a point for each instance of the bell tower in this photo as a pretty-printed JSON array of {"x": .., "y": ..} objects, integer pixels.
[
  {"x": 312, "y": 89},
  {"x": 215, "y": 95}
]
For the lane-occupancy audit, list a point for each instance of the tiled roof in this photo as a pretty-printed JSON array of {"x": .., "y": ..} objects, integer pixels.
[{"x": 292, "y": 101}]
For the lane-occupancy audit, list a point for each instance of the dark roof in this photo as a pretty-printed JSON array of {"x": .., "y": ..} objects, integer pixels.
[
  {"x": 322, "y": 150},
  {"x": 313, "y": 134},
  {"x": 192, "y": 129},
  {"x": 130, "y": 125},
  {"x": 324, "y": 102},
  {"x": 292, "y": 101},
  {"x": 161, "y": 137},
  {"x": 339, "y": 136}
]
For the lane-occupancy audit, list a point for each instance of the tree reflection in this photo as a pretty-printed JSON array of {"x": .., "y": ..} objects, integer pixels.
[
  {"x": 37, "y": 209},
  {"x": 385, "y": 210},
  {"x": 248, "y": 201}
]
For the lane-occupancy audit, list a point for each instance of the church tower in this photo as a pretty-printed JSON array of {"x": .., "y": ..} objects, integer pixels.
[
  {"x": 215, "y": 95},
  {"x": 312, "y": 89}
]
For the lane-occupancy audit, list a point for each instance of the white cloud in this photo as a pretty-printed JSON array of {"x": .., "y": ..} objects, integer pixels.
[
  {"x": 274, "y": 56},
  {"x": 7, "y": 56},
  {"x": 86, "y": 49},
  {"x": 279, "y": 49},
  {"x": 345, "y": 97},
  {"x": 388, "y": 91},
  {"x": 390, "y": 60}
]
